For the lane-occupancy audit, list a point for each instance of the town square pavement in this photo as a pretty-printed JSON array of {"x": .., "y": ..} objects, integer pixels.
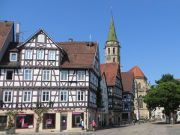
[{"x": 138, "y": 129}]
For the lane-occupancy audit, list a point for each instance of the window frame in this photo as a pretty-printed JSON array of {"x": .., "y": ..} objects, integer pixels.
[
  {"x": 28, "y": 56},
  {"x": 11, "y": 53},
  {"x": 41, "y": 38},
  {"x": 109, "y": 50},
  {"x": 79, "y": 75},
  {"x": 113, "y": 50},
  {"x": 27, "y": 96},
  {"x": 29, "y": 78},
  {"x": 41, "y": 56},
  {"x": 8, "y": 95},
  {"x": 45, "y": 97},
  {"x": 50, "y": 56},
  {"x": 63, "y": 71},
  {"x": 67, "y": 95},
  {"x": 45, "y": 75},
  {"x": 81, "y": 95}
]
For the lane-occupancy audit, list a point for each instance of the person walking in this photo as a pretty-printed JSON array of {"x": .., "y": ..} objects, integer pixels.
[
  {"x": 82, "y": 124},
  {"x": 94, "y": 125}
]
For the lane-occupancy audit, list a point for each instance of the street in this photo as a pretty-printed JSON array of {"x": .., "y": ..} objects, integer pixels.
[
  {"x": 138, "y": 129},
  {"x": 142, "y": 129}
]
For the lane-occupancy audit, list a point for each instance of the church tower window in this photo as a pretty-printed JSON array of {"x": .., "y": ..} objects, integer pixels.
[
  {"x": 108, "y": 50},
  {"x": 113, "y": 50},
  {"x": 114, "y": 59}
]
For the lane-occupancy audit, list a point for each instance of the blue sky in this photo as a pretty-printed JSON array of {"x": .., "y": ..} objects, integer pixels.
[{"x": 148, "y": 30}]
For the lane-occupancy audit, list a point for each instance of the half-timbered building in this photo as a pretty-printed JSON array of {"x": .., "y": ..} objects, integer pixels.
[
  {"x": 41, "y": 73},
  {"x": 114, "y": 85},
  {"x": 103, "y": 118},
  {"x": 128, "y": 97}
]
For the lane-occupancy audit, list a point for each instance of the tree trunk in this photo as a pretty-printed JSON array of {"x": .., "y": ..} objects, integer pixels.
[
  {"x": 168, "y": 119},
  {"x": 37, "y": 127}
]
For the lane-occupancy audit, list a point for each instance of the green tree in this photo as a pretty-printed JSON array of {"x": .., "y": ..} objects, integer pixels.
[
  {"x": 165, "y": 94},
  {"x": 39, "y": 112}
]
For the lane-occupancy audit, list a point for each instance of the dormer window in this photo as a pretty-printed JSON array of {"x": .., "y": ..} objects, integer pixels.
[{"x": 13, "y": 56}]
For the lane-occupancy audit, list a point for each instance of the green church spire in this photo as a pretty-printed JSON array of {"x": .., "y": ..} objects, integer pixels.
[{"x": 112, "y": 32}]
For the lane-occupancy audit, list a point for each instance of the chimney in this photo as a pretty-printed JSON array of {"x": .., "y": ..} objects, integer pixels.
[{"x": 17, "y": 32}]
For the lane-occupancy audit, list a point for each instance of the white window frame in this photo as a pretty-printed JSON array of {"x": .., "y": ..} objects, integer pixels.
[
  {"x": 8, "y": 95},
  {"x": 81, "y": 75},
  {"x": 45, "y": 97},
  {"x": 41, "y": 38},
  {"x": 82, "y": 95},
  {"x": 62, "y": 93},
  {"x": 27, "y": 78},
  {"x": 40, "y": 54},
  {"x": 12, "y": 57},
  {"x": 46, "y": 75},
  {"x": 63, "y": 75},
  {"x": 52, "y": 55},
  {"x": 28, "y": 96},
  {"x": 28, "y": 54}
]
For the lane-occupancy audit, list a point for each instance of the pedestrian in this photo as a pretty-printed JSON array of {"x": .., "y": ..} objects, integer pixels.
[
  {"x": 82, "y": 124},
  {"x": 94, "y": 125}
]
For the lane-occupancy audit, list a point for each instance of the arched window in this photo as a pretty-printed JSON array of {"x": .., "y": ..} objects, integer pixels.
[
  {"x": 139, "y": 85},
  {"x": 113, "y": 50},
  {"x": 140, "y": 102},
  {"x": 114, "y": 59},
  {"x": 108, "y": 50}
]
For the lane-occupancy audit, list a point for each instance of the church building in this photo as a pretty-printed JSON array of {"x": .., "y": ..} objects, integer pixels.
[{"x": 112, "y": 71}]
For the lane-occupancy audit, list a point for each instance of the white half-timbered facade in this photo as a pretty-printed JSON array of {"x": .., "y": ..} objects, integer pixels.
[{"x": 40, "y": 73}]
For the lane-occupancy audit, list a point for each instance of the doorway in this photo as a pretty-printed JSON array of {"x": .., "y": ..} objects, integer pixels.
[
  {"x": 3, "y": 122},
  {"x": 63, "y": 122}
]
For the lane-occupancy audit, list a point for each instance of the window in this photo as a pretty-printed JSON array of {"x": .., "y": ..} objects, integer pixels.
[
  {"x": 46, "y": 75},
  {"x": 63, "y": 95},
  {"x": 51, "y": 55},
  {"x": 113, "y": 50},
  {"x": 27, "y": 74},
  {"x": 81, "y": 75},
  {"x": 7, "y": 96},
  {"x": 27, "y": 96},
  {"x": 9, "y": 75},
  {"x": 64, "y": 75},
  {"x": 24, "y": 120},
  {"x": 40, "y": 54},
  {"x": 140, "y": 102},
  {"x": 13, "y": 56},
  {"x": 45, "y": 96},
  {"x": 80, "y": 95},
  {"x": 108, "y": 50},
  {"x": 28, "y": 54},
  {"x": 76, "y": 118},
  {"x": 114, "y": 59},
  {"x": 41, "y": 38},
  {"x": 49, "y": 120}
]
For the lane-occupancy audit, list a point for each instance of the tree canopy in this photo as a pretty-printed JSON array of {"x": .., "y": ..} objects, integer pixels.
[{"x": 165, "y": 94}]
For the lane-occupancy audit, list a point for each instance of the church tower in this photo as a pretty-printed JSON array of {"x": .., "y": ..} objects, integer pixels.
[{"x": 112, "y": 47}]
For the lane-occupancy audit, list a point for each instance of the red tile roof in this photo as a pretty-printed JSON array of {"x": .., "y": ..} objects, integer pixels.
[
  {"x": 127, "y": 81},
  {"x": 78, "y": 54},
  {"x": 5, "y": 28},
  {"x": 137, "y": 72},
  {"x": 111, "y": 70}
]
